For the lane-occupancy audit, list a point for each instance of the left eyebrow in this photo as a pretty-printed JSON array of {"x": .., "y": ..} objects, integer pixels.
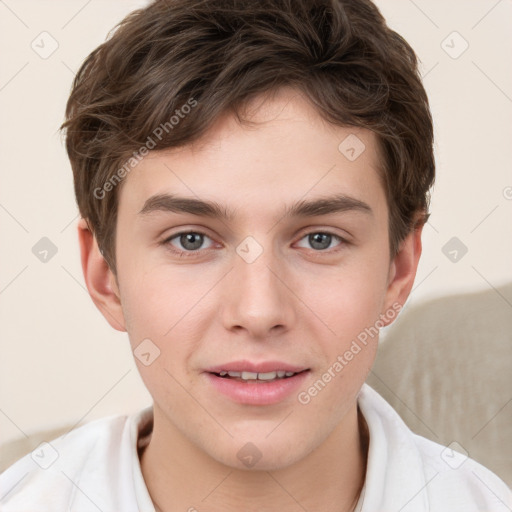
[{"x": 321, "y": 206}]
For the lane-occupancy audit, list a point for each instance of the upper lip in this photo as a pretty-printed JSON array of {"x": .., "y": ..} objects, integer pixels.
[{"x": 261, "y": 367}]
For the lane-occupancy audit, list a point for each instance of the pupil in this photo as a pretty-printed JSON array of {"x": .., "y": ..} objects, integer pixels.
[
  {"x": 316, "y": 240},
  {"x": 194, "y": 239}
]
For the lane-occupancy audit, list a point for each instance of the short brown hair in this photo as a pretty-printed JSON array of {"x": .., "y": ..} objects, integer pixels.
[{"x": 354, "y": 69}]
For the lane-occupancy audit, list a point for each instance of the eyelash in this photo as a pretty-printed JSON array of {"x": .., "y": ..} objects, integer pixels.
[{"x": 189, "y": 253}]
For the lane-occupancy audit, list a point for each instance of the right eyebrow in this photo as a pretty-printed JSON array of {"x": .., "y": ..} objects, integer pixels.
[{"x": 176, "y": 204}]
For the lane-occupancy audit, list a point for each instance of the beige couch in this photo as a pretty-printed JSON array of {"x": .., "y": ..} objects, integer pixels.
[{"x": 445, "y": 366}]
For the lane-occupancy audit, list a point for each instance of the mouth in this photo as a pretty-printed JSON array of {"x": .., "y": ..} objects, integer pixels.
[
  {"x": 256, "y": 383},
  {"x": 246, "y": 376}
]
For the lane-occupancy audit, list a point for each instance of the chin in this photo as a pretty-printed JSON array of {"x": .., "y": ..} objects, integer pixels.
[{"x": 261, "y": 454}]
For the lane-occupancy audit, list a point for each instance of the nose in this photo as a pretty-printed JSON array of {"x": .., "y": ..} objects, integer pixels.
[{"x": 258, "y": 299}]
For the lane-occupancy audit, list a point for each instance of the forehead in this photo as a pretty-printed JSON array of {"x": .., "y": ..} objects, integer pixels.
[{"x": 289, "y": 153}]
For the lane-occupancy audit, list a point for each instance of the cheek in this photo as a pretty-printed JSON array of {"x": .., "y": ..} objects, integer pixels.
[
  {"x": 346, "y": 350},
  {"x": 156, "y": 317},
  {"x": 167, "y": 308},
  {"x": 349, "y": 304},
  {"x": 348, "y": 299}
]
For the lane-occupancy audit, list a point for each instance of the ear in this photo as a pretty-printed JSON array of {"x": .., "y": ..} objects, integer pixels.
[
  {"x": 402, "y": 272},
  {"x": 100, "y": 280}
]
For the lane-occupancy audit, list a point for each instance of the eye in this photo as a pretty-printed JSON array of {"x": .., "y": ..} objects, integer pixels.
[
  {"x": 321, "y": 240},
  {"x": 187, "y": 241}
]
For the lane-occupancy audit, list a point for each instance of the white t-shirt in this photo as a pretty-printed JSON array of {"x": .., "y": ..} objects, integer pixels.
[{"x": 96, "y": 468}]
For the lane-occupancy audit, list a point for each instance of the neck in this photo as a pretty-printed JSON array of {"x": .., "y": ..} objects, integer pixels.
[{"x": 181, "y": 477}]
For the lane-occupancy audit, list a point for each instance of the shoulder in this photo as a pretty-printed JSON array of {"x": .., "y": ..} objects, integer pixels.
[
  {"x": 459, "y": 482},
  {"x": 417, "y": 474},
  {"x": 73, "y": 467}
]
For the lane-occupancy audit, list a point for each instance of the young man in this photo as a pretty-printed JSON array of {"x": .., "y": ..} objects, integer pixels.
[{"x": 253, "y": 181}]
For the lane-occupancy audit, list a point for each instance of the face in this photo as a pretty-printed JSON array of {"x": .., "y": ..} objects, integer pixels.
[{"x": 272, "y": 286}]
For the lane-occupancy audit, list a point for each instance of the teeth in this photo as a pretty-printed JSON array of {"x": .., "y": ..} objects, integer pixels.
[
  {"x": 279, "y": 374},
  {"x": 268, "y": 375},
  {"x": 249, "y": 375}
]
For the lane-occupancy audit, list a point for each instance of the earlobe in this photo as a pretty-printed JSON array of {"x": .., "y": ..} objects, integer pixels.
[
  {"x": 402, "y": 272},
  {"x": 99, "y": 279}
]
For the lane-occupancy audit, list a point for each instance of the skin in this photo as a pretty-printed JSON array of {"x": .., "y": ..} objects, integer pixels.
[{"x": 294, "y": 303}]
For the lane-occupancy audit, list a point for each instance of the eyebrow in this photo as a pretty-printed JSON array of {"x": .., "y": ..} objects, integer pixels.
[{"x": 322, "y": 206}]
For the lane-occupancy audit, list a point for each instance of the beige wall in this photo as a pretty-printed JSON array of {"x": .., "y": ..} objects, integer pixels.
[{"x": 61, "y": 362}]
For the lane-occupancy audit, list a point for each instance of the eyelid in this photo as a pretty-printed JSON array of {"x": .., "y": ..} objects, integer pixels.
[
  {"x": 312, "y": 230},
  {"x": 342, "y": 241},
  {"x": 167, "y": 241}
]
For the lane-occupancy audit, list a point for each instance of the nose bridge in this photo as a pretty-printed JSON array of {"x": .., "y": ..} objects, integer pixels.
[
  {"x": 257, "y": 298},
  {"x": 259, "y": 276},
  {"x": 256, "y": 267}
]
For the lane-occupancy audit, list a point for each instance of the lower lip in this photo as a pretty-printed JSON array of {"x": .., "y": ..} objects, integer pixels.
[{"x": 259, "y": 392}]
